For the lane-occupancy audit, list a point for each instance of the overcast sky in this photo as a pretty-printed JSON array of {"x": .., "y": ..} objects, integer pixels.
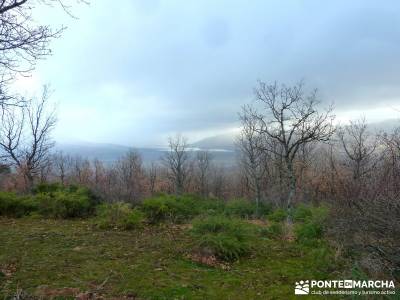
[{"x": 134, "y": 72}]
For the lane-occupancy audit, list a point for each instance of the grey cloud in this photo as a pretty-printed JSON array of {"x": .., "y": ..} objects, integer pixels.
[{"x": 199, "y": 60}]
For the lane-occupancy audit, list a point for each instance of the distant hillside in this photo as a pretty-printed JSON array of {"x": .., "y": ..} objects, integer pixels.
[
  {"x": 227, "y": 141},
  {"x": 223, "y": 141},
  {"x": 109, "y": 153},
  {"x": 387, "y": 125},
  {"x": 221, "y": 146},
  {"x": 104, "y": 152}
]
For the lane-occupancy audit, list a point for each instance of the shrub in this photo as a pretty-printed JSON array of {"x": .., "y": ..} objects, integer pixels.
[
  {"x": 275, "y": 229},
  {"x": 210, "y": 206},
  {"x": 264, "y": 209},
  {"x": 240, "y": 208},
  {"x": 226, "y": 238},
  {"x": 311, "y": 226},
  {"x": 175, "y": 209},
  {"x": 13, "y": 205},
  {"x": 51, "y": 188},
  {"x": 63, "y": 205},
  {"x": 134, "y": 220},
  {"x": 155, "y": 209},
  {"x": 308, "y": 231},
  {"x": 50, "y": 200},
  {"x": 66, "y": 203},
  {"x": 305, "y": 213},
  {"x": 319, "y": 214},
  {"x": 302, "y": 213},
  {"x": 119, "y": 216},
  {"x": 47, "y": 188},
  {"x": 245, "y": 209},
  {"x": 277, "y": 215}
]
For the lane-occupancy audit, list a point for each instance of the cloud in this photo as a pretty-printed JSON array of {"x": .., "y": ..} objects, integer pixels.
[{"x": 145, "y": 69}]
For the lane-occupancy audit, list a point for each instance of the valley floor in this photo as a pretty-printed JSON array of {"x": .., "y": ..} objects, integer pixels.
[{"x": 63, "y": 258}]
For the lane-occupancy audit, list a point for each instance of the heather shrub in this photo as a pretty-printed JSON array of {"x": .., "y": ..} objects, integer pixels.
[
  {"x": 13, "y": 205},
  {"x": 308, "y": 230},
  {"x": 275, "y": 229},
  {"x": 62, "y": 204},
  {"x": 175, "y": 209},
  {"x": 240, "y": 208},
  {"x": 277, "y": 215},
  {"x": 118, "y": 216},
  {"x": 57, "y": 201},
  {"x": 226, "y": 238}
]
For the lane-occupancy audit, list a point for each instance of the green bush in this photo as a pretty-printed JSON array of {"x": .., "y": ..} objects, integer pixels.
[
  {"x": 16, "y": 206},
  {"x": 302, "y": 213},
  {"x": 240, "y": 208},
  {"x": 264, "y": 209},
  {"x": 52, "y": 188},
  {"x": 47, "y": 188},
  {"x": 64, "y": 205},
  {"x": 118, "y": 216},
  {"x": 170, "y": 208},
  {"x": 308, "y": 231},
  {"x": 210, "y": 206},
  {"x": 226, "y": 238},
  {"x": 56, "y": 201},
  {"x": 277, "y": 215},
  {"x": 310, "y": 226},
  {"x": 245, "y": 209},
  {"x": 275, "y": 229},
  {"x": 319, "y": 214}
]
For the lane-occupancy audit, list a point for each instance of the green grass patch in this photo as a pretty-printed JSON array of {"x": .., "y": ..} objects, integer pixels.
[{"x": 150, "y": 263}]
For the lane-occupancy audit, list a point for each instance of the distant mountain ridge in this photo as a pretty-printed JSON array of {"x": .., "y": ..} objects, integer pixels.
[
  {"x": 107, "y": 153},
  {"x": 222, "y": 142},
  {"x": 110, "y": 153},
  {"x": 221, "y": 146}
]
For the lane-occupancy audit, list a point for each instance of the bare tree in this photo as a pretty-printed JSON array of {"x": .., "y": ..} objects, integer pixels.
[
  {"x": 393, "y": 140},
  {"x": 26, "y": 136},
  {"x": 203, "y": 161},
  {"x": 23, "y": 41},
  {"x": 81, "y": 170},
  {"x": 290, "y": 118},
  {"x": 391, "y": 143},
  {"x": 152, "y": 174},
  {"x": 177, "y": 161},
  {"x": 359, "y": 148},
  {"x": 99, "y": 172},
  {"x": 252, "y": 154},
  {"x": 130, "y": 174},
  {"x": 61, "y": 164},
  {"x": 218, "y": 182}
]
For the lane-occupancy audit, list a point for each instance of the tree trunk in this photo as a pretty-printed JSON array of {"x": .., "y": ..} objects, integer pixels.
[
  {"x": 291, "y": 190},
  {"x": 258, "y": 196},
  {"x": 28, "y": 180},
  {"x": 179, "y": 185}
]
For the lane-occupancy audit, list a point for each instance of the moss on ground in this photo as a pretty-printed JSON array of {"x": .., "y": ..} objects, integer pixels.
[{"x": 148, "y": 263}]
